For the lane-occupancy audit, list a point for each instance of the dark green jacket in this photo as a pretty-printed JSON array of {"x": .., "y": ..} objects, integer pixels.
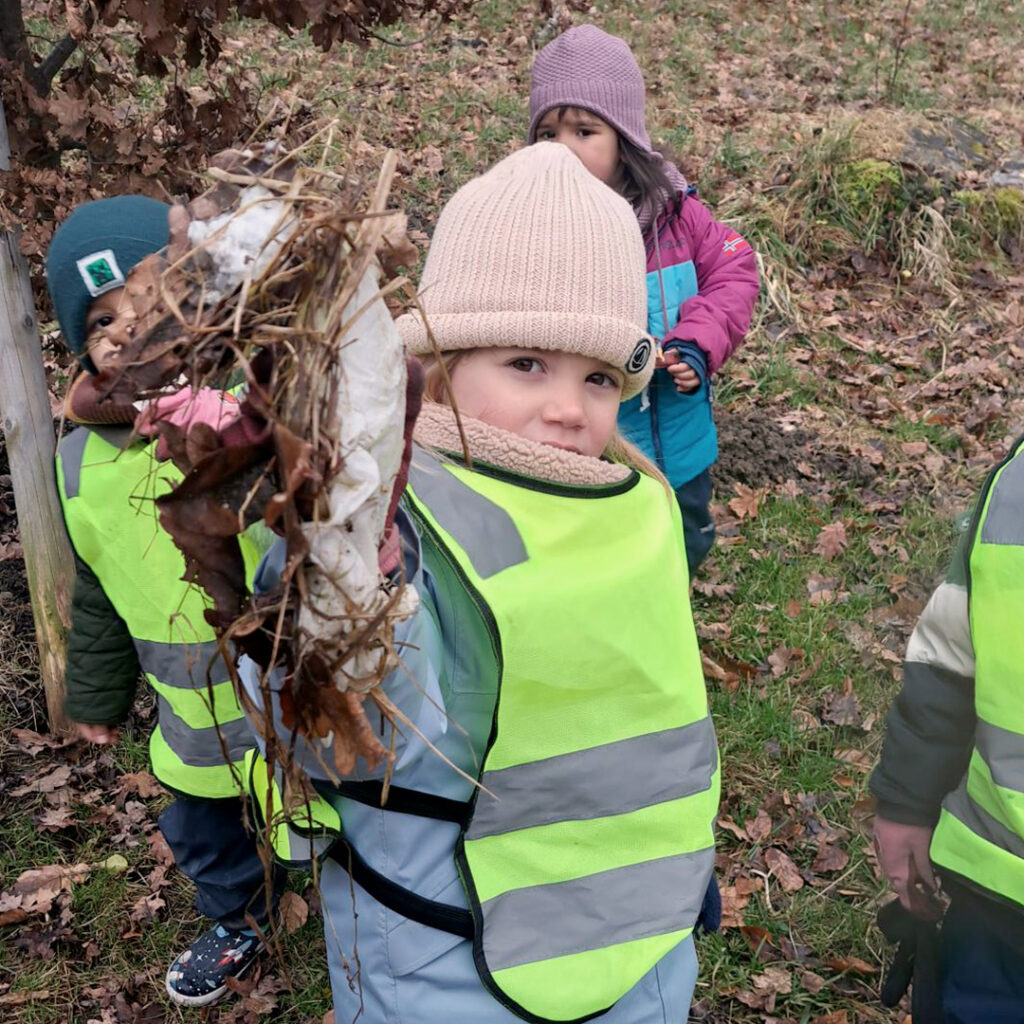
[
  {"x": 930, "y": 729},
  {"x": 102, "y": 667}
]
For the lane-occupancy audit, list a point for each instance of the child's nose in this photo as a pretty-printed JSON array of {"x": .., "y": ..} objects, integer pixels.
[{"x": 565, "y": 406}]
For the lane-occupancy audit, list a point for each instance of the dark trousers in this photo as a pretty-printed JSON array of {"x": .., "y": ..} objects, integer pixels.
[
  {"x": 983, "y": 960},
  {"x": 694, "y": 499},
  {"x": 212, "y": 847}
]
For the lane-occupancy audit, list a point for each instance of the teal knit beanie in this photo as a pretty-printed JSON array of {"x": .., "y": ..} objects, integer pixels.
[{"x": 92, "y": 253}]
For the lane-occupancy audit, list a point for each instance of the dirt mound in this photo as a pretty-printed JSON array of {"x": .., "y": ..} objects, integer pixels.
[{"x": 754, "y": 450}]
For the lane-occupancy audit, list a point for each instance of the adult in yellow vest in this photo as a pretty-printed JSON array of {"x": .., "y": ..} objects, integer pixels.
[
  {"x": 546, "y": 837},
  {"x": 950, "y": 784},
  {"x": 132, "y": 612}
]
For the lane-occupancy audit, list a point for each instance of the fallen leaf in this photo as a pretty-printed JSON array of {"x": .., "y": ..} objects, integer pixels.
[
  {"x": 836, "y": 1017},
  {"x": 830, "y": 858},
  {"x": 822, "y": 589},
  {"x": 142, "y": 783},
  {"x": 21, "y": 998},
  {"x": 759, "y": 828},
  {"x": 781, "y": 658},
  {"x": 812, "y": 982},
  {"x": 293, "y": 911},
  {"x": 842, "y": 709},
  {"x": 781, "y": 865},
  {"x": 851, "y": 965},
  {"x": 831, "y": 540},
  {"x": 746, "y": 502},
  {"x": 432, "y": 159},
  {"x": 915, "y": 449},
  {"x": 729, "y": 825},
  {"x": 47, "y": 783}
]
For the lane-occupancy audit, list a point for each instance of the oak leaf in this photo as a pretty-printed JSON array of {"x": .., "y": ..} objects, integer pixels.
[{"x": 781, "y": 865}]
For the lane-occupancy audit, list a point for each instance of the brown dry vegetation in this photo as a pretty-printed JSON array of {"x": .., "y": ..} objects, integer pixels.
[{"x": 855, "y": 143}]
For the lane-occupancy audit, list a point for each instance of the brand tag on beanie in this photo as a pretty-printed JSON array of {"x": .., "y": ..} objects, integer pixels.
[
  {"x": 100, "y": 272},
  {"x": 638, "y": 360}
]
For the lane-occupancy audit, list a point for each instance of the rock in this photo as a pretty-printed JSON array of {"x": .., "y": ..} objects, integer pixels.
[
  {"x": 948, "y": 149},
  {"x": 1010, "y": 173}
]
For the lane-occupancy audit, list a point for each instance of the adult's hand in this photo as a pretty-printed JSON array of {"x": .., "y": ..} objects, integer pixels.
[{"x": 903, "y": 856}]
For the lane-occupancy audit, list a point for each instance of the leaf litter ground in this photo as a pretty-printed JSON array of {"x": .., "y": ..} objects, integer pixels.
[{"x": 879, "y": 384}]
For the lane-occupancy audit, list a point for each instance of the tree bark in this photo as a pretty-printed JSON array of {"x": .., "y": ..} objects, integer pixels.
[{"x": 31, "y": 443}]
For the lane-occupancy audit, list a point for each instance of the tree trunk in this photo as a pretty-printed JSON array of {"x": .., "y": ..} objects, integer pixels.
[{"x": 28, "y": 431}]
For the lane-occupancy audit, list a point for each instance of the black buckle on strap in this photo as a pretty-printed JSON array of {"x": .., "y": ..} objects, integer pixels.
[{"x": 445, "y": 918}]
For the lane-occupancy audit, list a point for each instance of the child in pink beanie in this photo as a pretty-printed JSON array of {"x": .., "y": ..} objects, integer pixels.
[{"x": 588, "y": 93}]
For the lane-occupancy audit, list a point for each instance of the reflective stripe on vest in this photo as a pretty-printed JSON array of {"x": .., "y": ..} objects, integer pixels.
[
  {"x": 590, "y": 845},
  {"x": 108, "y": 493},
  {"x": 299, "y": 835},
  {"x": 980, "y": 834}
]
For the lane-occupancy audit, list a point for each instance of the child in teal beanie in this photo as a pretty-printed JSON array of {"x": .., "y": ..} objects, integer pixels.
[{"x": 132, "y": 612}]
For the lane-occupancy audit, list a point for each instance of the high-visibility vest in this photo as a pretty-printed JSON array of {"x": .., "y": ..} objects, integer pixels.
[
  {"x": 588, "y": 846},
  {"x": 108, "y": 495},
  {"x": 980, "y": 833}
]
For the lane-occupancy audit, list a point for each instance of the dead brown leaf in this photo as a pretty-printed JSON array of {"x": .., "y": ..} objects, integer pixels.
[
  {"x": 21, "y": 998},
  {"x": 775, "y": 981},
  {"x": 50, "y": 781},
  {"x": 781, "y": 658},
  {"x": 746, "y": 502},
  {"x": 812, "y": 982},
  {"x": 293, "y": 911},
  {"x": 830, "y": 858},
  {"x": 831, "y": 540},
  {"x": 760, "y": 827},
  {"x": 142, "y": 783},
  {"x": 843, "y": 708},
  {"x": 850, "y": 965},
  {"x": 781, "y": 865}
]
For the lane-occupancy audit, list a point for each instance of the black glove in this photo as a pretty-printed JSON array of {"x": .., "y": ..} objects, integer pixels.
[
  {"x": 917, "y": 961},
  {"x": 710, "y": 917}
]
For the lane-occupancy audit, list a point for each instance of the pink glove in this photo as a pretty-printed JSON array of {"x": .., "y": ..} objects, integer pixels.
[
  {"x": 185, "y": 408},
  {"x": 903, "y": 856}
]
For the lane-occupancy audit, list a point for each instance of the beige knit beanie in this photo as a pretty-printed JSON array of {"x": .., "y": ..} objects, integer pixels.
[{"x": 538, "y": 253}]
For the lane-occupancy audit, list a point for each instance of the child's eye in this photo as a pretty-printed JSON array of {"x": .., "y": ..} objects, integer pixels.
[
  {"x": 545, "y": 134},
  {"x": 526, "y": 365},
  {"x": 100, "y": 322},
  {"x": 603, "y": 380}
]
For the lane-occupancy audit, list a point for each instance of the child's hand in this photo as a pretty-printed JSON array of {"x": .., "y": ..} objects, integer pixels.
[
  {"x": 684, "y": 376},
  {"x": 903, "y": 856},
  {"x": 102, "y": 734}
]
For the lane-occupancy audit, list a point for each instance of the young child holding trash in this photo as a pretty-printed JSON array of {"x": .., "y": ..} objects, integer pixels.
[
  {"x": 542, "y": 845},
  {"x": 949, "y": 783},
  {"x": 587, "y": 92},
  {"x": 132, "y": 612}
]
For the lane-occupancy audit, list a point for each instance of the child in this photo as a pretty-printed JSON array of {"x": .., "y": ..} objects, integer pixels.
[
  {"x": 131, "y": 611},
  {"x": 553, "y": 656},
  {"x": 587, "y": 92},
  {"x": 950, "y": 780}
]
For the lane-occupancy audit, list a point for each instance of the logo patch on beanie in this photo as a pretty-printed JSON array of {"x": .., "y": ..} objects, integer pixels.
[
  {"x": 638, "y": 360},
  {"x": 100, "y": 272}
]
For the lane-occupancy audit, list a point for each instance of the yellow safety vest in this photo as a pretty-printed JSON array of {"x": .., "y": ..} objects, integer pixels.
[{"x": 108, "y": 495}]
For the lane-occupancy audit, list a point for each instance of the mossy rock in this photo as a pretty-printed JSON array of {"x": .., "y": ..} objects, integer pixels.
[{"x": 997, "y": 212}]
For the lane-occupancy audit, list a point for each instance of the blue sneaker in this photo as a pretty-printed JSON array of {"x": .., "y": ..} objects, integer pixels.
[{"x": 199, "y": 976}]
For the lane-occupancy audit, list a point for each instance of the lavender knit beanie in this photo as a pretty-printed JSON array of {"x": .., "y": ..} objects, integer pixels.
[{"x": 585, "y": 67}]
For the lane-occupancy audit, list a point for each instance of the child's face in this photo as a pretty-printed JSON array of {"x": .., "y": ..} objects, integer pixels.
[
  {"x": 105, "y": 327},
  {"x": 560, "y": 399},
  {"x": 594, "y": 141}
]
